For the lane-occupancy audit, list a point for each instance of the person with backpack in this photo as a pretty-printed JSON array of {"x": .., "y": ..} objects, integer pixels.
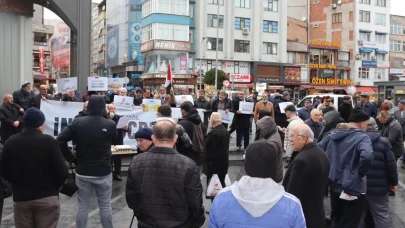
[{"x": 194, "y": 127}]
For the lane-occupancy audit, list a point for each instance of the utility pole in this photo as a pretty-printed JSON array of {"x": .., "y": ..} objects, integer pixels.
[
  {"x": 217, "y": 46},
  {"x": 199, "y": 72}
]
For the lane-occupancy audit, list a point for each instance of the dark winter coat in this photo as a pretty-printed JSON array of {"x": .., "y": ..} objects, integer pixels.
[
  {"x": 368, "y": 108},
  {"x": 345, "y": 110},
  {"x": 9, "y": 114},
  {"x": 332, "y": 119},
  {"x": 22, "y": 98},
  {"x": 307, "y": 178},
  {"x": 315, "y": 127},
  {"x": 393, "y": 132},
  {"x": 164, "y": 190},
  {"x": 267, "y": 130},
  {"x": 204, "y": 104},
  {"x": 305, "y": 113},
  {"x": 227, "y": 104},
  {"x": 383, "y": 171},
  {"x": 241, "y": 120},
  {"x": 93, "y": 135},
  {"x": 36, "y": 101},
  {"x": 216, "y": 150},
  {"x": 398, "y": 116},
  {"x": 119, "y": 140},
  {"x": 280, "y": 118}
]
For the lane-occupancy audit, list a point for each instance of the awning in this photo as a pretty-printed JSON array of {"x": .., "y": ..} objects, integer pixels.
[
  {"x": 378, "y": 51},
  {"x": 320, "y": 87},
  {"x": 366, "y": 31},
  {"x": 366, "y": 89},
  {"x": 366, "y": 50},
  {"x": 379, "y": 32},
  {"x": 276, "y": 87},
  {"x": 241, "y": 85}
]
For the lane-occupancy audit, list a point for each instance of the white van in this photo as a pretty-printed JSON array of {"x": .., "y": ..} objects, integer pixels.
[{"x": 337, "y": 99}]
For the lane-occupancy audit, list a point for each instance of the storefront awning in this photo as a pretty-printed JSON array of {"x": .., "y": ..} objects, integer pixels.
[
  {"x": 320, "y": 87},
  {"x": 365, "y": 89},
  {"x": 366, "y": 50},
  {"x": 378, "y": 51},
  {"x": 241, "y": 85}
]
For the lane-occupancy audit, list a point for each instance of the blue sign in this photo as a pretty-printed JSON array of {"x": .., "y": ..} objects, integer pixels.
[
  {"x": 369, "y": 63},
  {"x": 112, "y": 53},
  {"x": 135, "y": 41},
  {"x": 135, "y": 76}
]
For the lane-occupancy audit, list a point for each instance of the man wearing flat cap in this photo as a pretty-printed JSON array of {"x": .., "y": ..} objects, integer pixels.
[
  {"x": 346, "y": 108},
  {"x": 22, "y": 97},
  {"x": 367, "y": 106}
]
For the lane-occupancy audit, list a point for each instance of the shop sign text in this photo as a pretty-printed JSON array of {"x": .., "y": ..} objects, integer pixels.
[
  {"x": 325, "y": 43},
  {"x": 321, "y": 66},
  {"x": 330, "y": 81}
]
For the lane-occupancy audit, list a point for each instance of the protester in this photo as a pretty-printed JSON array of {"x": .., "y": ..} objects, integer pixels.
[
  {"x": 33, "y": 163},
  {"x": 314, "y": 123},
  {"x": 5, "y": 188},
  {"x": 93, "y": 135},
  {"x": 242, "y": 122},
  {"x": 267, "y": 130},
  {"x": 107, "y": 98},
  {"x": 381, "y": 178},
  {"x": 281, "y": 118},
  {"x": 216, "y": 150},
  {"x": 264, "y": 104},
  {"x": 331, "y": 120},
  {"x": 307, "y": 175},
  {"x": 256, "y": 200},
  {"x": 69, "y": 96},
  {"x": 143, "y": 139},
  {"x": 400, "y": 116},
  {"x": 84, "y": 111},
  {"x": 393, "y": 132},
  {"x": 206, "y": 107},
  {"x": 326, "y": 102},
  {"x": 43, "y": 95},
  {"x": 305, "y": 112},
  {"x": 22, "y": 97},
  {"x": 166, "y": 98},
  {"x": 163, "y": 187},
  {"x": 222, "y": 103},
  {"x": 182, "y": 90},
  {"x": 139, "y": 100},
  {"x": 252, "y": 98},
  {"x": 138, "y": 93},
  {"x": 367, "y": 106},
  {"x": 10, "y": 118},
  {"x": 292, "y": 117},
  {"x": 350, "y": 154},
  {"x": 346, "y": 108}
]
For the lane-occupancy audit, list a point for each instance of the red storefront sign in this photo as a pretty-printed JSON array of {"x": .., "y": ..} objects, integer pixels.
[
  {"x": 240, "y": 77},
  {"x": 41, "y": 60}
]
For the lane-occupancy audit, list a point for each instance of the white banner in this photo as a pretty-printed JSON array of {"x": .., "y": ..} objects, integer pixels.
[{"x": 59, "y": 114}]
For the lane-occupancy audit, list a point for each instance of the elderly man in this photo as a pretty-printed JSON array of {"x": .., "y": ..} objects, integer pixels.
[
  {"x": 314, "y": 123},
  {"x": 281, "y": 118},
  {"x": 350, "y": 154},
  {"x": 43, "y": 95},
  {"x": 367, "y": 106},
  {"x": 292, "y": 117},
  {"x": 182, "y": 90},
  {"x": 22, "y": 97},
  {"x": 241, "y": 122},
  {"x": 163, "y": 187},
  {"x": 264, "y": 104},
  {"x": 10, "y": 118},
  {"x": 222, "y": 103},
  {"x": 143, "y": 139},
  {"x": 346, "y": 108},
  {"x": 393, "y": 132},
  {"x": 69, "y": 97},
  {"x": 146, "y": 95},
  {"x": 205, "y": 105},
  {"x": 84, "y": 111},
  {"x": 307, "y": 175},
  {"x": 305, "y": 112}
]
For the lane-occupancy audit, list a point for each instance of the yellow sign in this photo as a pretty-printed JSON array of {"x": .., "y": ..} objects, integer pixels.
[
  {"x": 321, "y": 66},
  {"x": 330, "y": 81},
  {"x": 325, "y": 43}
]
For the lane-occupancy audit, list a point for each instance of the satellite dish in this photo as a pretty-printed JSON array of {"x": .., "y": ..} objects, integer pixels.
[
  {"x": 303, "y": 18},
  {"x": 339, "y": 2}
]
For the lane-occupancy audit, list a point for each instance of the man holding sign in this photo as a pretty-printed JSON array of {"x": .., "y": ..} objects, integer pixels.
[{"x": 242, "y": 120}]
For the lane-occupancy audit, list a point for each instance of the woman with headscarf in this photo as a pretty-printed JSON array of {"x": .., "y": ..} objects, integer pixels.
[{"x": 331, "y": 120}]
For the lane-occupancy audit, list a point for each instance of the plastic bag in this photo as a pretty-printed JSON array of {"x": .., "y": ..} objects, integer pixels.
[
  {"x": 214, "y": 186},
  {"x": 227, "y": 181}
]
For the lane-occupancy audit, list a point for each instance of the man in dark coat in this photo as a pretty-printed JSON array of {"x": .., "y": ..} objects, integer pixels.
[
  {"x": 393, "y": 132},
  {"x": 222, "y": 103},
  {"x": 307, "y": 175},
  {"x": 314, "y": 123},
  {"x": 205, "y": 105},
  {"x": 281, "y": 118},
  {"x": 242, "y": 122},
  {"x": 216, "y": 149},
  {"x": 346, "y": 108},
  {"x": 10, "y": 118},
  {"x": 145, "y": 95},
  {"x": 367, "y": 106},
  {"x": 22, "y": 97},
  {"x": 163, "y": 187},
  {"x": 43, "y": 95}
]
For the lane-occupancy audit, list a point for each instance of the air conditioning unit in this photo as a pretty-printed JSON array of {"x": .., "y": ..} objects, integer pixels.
[
  {"x": 357, "y": 83},
  {"x": 334, "y": 6},
  {"x": 316, "y": 1},
  {"x": 360, "y": 42},
  {"x": 358, "y": 57},
  {"x": 373, "y": 57},
  {"x": 315, "y": 25},
  {"x": 245, "y": 31}
]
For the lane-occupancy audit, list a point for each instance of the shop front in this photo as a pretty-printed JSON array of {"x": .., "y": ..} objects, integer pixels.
[
  {"x": 269, "y": 73},
  {"x": 155, "y": 81},
  {"x": 292, "y": 81},
  {"x": 240, "y": 82},
  {"x": 327, "y": 85},
  {"x": 390, "y": 89}
]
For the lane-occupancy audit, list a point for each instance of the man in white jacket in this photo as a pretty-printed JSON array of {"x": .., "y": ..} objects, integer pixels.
[{"x": 292, "y": 117}]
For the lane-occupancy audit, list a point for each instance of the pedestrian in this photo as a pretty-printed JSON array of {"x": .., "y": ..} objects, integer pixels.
[
  {"x": 382, "y": 177},
  {"x": 33, "y": 163},
  {"x": 10, "y": 118},
  {"x": 281, "y": 118},
  {"x": 307, "y": 175},
  {"x": 252, "y": 98},
  {"x": 69, "y": 97},
  {"x": 93, "y": 135},
  {"x": 216, "y": 150},
  {"x": 330, "y": 121},
  {"x": 206, "y": 107},
  {"x": 222, "y": 103},
  {"x": 400, "y": 117},
  {"x": 346, "y": 108},
  {"x": 393, "y": 132},
  {"x": 194, "y": 127},
  {"x": 43, "y": 95},
  {"x": 84, "y": 111},
  {"x": 145, "y": 95},
  {"x": 264, "y": 104},
  {"x": 314, "y": 123},
  {"x": 256, "y": 200},
  {"x": 350, "y": 154},
  {"x": 242, "y": 122},
  {"x": 327, "y": 102},
  {"x": 292, "y": 117},
  {"x": 164, "y": 187},
  {"x": 367, "y": 106},
  {"x": 22, "y": 97},
  {"x": 305, "y": 112},
  {"x": 143, "y": 139}
]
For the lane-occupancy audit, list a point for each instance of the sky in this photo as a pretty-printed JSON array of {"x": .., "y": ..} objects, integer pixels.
[{"x": 397, "y": 8}]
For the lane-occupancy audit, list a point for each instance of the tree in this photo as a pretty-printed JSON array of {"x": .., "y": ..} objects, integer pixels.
[{"x": 209, "y": 77}]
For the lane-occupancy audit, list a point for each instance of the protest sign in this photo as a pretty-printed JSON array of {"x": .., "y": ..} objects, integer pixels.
[
  {"x": 66, "y": 84},
  {"x": 246, "y": 107},
  {"x": 97, "y": 83},
  {"x": 226, "y": 117},
  {"x": 123, "y": 102},
  {"x": 151, "y": 105}
]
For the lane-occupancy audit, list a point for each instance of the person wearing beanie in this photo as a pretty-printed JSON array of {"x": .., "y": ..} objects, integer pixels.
[
  {"x": 366, "y": 106},
  {"x": 146, "y": 94},
  {"x": 138, "y": 93},
  {"x": 350, "y": 155},
  {"x": 256, "y": 200},
  {"x": 307, "y": 175},
  {"x": 143, "y": 139},
  {"x": 22, "y": 97},
  {"x": 346, "y": 108},
  {"x": 43, "y": 171}
]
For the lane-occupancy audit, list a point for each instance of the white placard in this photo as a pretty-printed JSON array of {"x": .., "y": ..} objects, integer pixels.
[
  {"x": 151, "y": 105},
  {"x": 123, "y": 122},
  {"x": 226, "y": 117},
  {"x": 246, "y": 107},
  {"x": 66, "y": 84},
  {"x": 123, "y": 102},
  {"x": 97, "y": 83},
  {"x": 283, "y": 105},
  {"x": 180, "y": 99},
  {"x": 260, "y": 87},
  {"x": 115, "y": 83}
]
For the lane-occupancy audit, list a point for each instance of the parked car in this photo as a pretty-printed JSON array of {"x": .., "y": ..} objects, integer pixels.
[{"x": 337, "y": 99}]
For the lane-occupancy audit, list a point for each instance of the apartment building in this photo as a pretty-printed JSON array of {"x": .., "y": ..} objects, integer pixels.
[{"x": 98, "y": 41}]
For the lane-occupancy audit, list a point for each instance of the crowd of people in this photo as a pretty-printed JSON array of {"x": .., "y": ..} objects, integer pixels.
[{"x": 345, "y": 156}]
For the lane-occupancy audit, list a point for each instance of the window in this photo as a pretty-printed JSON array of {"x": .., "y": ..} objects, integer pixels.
[
  {"x": 221, "y": 2},
  {"x": 396, "y": 29},
  {"x": 337, "y": 18},
  {"x": 165, "y": 32},
  {"x": 191, "y": 10},
  {"x": 241, "y": 23},
  {"x": 177, "y": 7},
  {"x": 242, "y": 3},
  {"x": 236, "y": 67},
  {"x": 380, "y": 38},
  {"x": 365, "y": 56},
  {"x": 297, "y": 57},
  {"x": 379, "y": 74},
  {"x": 380, "y": 57},
  {"x": 270, "y": 26},
  {"x": 395, "y": 45},
  {"x": 191, "y": 37},
  {"x": 212, "y": 44},
  {"x": 380, "y": 19},
  {"x": 364, "y": 16},
  {"x": 364, "y": 36},
  {"x": 403, "y": 46},
  {"x": 270, "y": 48},
  {"x": 382, "y": 3},
  {"x": 242, "y": 46},
  {"x": 363, "y": 73},
  {"x": 270, "y": 5},
  {"x": 365, "y": 1},
  {"x": 213, "y": 21}
]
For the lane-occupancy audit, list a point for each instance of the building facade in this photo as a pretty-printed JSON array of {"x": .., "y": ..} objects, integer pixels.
[{"x": 99, "y": 39}]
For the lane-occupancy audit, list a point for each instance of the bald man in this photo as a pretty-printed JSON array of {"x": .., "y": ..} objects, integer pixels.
[
  {"x": 10, "y": 118},
  {"x": 314, "y": 123},
  {"x": 307, "y": 175},
  {"x": 43, "y": 95}
]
